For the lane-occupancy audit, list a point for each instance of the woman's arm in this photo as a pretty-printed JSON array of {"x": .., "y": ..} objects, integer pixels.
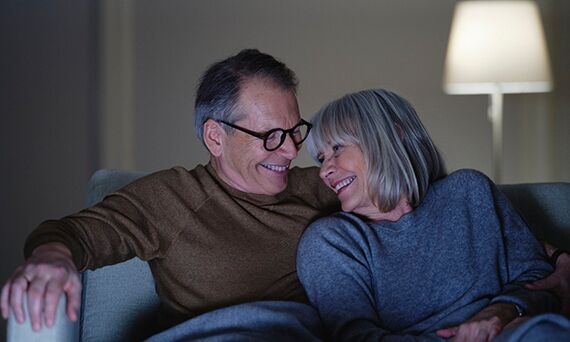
[{"x": 525, "y": 262}]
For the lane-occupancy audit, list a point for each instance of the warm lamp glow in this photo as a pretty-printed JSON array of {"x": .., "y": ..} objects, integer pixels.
[
  {"x": 496, "y": 44},
  {"x": 496, "y": 47}
]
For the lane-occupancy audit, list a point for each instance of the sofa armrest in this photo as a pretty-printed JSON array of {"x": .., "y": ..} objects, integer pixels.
[{"x": 63, "y": 330}]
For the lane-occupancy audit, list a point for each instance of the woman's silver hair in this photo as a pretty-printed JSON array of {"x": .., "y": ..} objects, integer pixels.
[{"x": 401, "y": 157}]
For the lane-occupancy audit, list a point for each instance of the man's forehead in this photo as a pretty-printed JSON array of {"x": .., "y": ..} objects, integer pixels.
[{"x": 268, "y": 105}]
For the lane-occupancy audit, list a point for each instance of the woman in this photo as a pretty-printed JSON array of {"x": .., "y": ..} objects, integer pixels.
[{"x": 415, "y": 251}]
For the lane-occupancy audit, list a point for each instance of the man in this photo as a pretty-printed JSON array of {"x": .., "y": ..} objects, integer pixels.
[
  {"x": 217, "y": 235},
  {"x": 214, "y": 236}
]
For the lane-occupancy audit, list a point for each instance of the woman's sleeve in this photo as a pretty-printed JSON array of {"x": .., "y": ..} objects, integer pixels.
[{"x": 525, "y": 261}]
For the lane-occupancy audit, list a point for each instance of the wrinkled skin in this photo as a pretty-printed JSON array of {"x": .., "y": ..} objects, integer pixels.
[
  {"x": 484, "y": 326},
  {"x": 47, "y": 274}
]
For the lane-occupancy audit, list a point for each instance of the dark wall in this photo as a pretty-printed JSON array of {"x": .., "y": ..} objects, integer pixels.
[{"x": 47, "y": 105}]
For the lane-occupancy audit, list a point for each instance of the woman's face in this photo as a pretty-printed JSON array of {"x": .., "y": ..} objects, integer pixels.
[{"x": 344, "y": 169}]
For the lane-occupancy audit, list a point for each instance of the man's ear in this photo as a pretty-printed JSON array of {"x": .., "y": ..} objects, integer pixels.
[{"x": 214, "y": 137}]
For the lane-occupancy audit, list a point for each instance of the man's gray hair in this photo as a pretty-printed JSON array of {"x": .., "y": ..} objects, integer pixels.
[{"x": 219, "y": 89}]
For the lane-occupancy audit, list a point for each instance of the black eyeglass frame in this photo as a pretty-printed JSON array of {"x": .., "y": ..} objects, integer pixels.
[{"x": 284, "y": 132}]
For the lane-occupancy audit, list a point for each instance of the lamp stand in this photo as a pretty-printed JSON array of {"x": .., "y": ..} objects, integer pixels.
[{"x": 495, "y": 112}]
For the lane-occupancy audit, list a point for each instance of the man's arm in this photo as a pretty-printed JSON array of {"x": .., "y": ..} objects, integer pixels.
[
  {"x": 44, "y": 276},
  {"x": 559, "y": 281}
]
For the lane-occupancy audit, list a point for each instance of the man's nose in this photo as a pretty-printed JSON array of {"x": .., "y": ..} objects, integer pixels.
[{"x": 289, "y": 149}]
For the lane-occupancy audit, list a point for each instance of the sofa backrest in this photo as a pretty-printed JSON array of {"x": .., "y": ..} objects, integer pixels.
[
  {"x": 546, "y": 209},
  {"x": 120, "y": 302}
]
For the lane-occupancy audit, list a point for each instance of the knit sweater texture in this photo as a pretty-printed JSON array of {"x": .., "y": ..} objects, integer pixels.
[
  {"x": 208, "y": 245},
  {"x": 462, "y": 249}
]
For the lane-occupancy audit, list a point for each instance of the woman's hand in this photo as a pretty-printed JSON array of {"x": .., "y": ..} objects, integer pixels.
[{"x": 484, "y": 326}]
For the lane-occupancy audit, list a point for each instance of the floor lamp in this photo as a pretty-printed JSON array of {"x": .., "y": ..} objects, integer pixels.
[{"x": 496, "y": 48}]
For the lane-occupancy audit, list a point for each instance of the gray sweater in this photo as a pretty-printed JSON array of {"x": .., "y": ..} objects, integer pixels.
[{"x": 462, "y": 249}]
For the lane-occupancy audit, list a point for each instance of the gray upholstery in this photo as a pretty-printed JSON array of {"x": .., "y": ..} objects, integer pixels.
[
  {"x": 119, "y": 301},
  {"x": 546, "y": 209},
  {"x": 120, "y": 293}
]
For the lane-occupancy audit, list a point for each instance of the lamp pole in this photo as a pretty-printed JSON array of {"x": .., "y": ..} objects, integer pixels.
[{"x": 495, "y": 112}]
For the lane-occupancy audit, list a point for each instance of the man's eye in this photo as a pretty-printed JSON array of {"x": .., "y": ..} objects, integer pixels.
[{"x": 275, "y": 136}]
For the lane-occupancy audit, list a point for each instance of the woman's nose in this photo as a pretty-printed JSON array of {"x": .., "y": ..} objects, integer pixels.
[{"x": 327, "y": 169}]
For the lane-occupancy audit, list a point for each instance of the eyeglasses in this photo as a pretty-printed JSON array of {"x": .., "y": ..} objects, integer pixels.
[{"x": 274, "y": 138}]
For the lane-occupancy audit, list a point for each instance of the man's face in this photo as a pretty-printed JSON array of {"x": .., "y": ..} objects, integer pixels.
[{"x": 244, "y": 163}]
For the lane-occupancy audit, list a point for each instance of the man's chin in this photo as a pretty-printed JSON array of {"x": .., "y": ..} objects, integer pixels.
[
  {"x": 280, "y": 189},
  {"x": 276, "y": 187}
]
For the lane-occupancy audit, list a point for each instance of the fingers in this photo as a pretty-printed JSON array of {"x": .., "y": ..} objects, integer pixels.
[
  {"x": 4, "y": 300},
  {"x": 16, "y": 288},
  {"x": 478, "y": 331},
  {"x": 447, "y": 333},
  {"x": 73, "y": 298},
  {"x": 36, "y": 301},
  {"x": 547, "y": 283},
  {"x": 72, "y": 290},
  {"x": 40, "y": 295},
  {"x": 51, "y": 300},
  {"x": 472, "y": 336}
]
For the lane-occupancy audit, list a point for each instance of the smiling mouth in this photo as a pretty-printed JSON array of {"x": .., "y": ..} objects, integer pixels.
[
  {"x": 344, "y": 183},
  {"x": 276, "y": 168}
]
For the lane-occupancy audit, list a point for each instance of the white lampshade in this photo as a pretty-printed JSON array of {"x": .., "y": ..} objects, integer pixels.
[{"x": 496, "y": 46}]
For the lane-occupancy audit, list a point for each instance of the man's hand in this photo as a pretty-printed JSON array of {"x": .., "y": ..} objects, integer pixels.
[
  {"x": 557, "y": 282},
  {"x": 484, "y": 326},
  {"x": 44, "y": 276}
]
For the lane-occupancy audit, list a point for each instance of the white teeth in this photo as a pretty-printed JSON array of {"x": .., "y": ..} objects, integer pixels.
[
  {"x": 275, "y": 168},
  {"x": 344, "y": 183}
]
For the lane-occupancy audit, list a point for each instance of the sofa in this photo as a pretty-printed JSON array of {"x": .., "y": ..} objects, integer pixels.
[{"x": 119, "y": 302}]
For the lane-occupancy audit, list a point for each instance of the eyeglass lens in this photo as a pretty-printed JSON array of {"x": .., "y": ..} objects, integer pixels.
[{"x": 277, "y": 136}]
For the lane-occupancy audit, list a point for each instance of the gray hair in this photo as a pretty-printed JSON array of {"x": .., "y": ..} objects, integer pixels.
[
  {"x": 219, "y": 89},
  {"x": 401, "y": 157}
]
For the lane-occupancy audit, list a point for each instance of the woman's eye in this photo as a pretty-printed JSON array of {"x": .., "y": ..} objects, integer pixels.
[{"x": 336, "y": 148}]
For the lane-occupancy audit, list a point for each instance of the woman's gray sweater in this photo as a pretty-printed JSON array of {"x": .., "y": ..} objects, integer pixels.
[{"x": 462, "y": 249}]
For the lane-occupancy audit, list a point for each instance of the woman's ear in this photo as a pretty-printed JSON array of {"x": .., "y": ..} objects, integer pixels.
[{"x": 213, "y": 137}]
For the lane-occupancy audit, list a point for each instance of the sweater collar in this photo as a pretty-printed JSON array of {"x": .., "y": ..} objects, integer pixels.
[{"x": 256, "y": 199}]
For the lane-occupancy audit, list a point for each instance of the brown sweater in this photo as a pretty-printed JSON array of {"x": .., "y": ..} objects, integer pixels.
[{"x": 208, "y": 245}]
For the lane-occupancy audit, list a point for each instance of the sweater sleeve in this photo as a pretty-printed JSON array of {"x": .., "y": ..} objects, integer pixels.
[
  {"x": 525, "y": 261},
  {"x": 332, "y": 267},
  {"x": 125, "y": 224}
]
